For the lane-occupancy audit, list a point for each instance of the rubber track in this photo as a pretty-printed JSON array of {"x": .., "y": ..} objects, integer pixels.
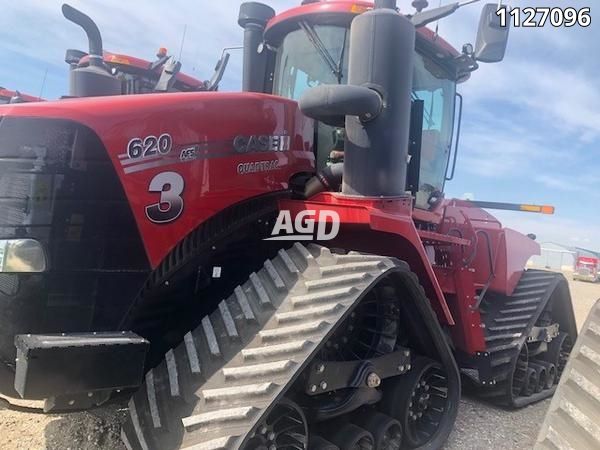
[
  {"x": 508, "y": 322},
  {"x": 572, "y": 420},
  {"x": 212, "y": 390}
]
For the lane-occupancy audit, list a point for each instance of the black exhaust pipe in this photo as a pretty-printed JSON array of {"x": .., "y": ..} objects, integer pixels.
[
  {"x": 382, "y": 46},
  {"x": 253, "y": 19},
  {"x": 376, "y": 103},
  {"x": 94, "y": 80},
  {"x": 389, "y": 4},
  {"x": 92, "y": 31}
]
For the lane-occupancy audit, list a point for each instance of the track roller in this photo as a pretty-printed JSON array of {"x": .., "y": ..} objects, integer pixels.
[
  {"x": 353, "y": 437},
  {"x": 558, "y": 353},
  {"x": 386, "y": 431},
  {"x": 542, "y": 376},
  {"x": 284, "y": 427},
  {"x": 532, "y": 382},
  {"x": 420, "y": 401},
  {"x": 550, "y": 372}
]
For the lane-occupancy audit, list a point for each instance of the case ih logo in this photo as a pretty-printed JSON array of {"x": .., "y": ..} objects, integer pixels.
[
  {"x": 303, "y": 227},
  {"x": 250, "y": 144}
]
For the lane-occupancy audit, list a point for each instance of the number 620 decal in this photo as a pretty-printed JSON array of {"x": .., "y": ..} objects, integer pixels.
[
  {"x": 170, "y": 186},
  {"x": 149, "y": 146}
]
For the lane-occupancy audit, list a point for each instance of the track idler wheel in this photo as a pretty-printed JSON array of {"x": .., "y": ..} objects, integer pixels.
[
  {"x": 386, "y": 431},
  {"x": 353, "y": 437},
  {"x": 420, "y": 401},
  {"x": 284, "y": 428}
]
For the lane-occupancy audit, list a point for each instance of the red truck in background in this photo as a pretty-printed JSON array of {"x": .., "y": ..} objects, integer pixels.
[{"x": 587, "y": 269}]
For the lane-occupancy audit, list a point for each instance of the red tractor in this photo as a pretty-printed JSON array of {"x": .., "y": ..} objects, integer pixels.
[
  {"x": 128, "y": 75},
  {"x": 7, "y": 96},
  {"x": 142, "y": 246}
]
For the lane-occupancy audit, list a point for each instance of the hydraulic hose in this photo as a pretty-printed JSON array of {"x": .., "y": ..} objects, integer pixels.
[{"x": 328, "y": 179}]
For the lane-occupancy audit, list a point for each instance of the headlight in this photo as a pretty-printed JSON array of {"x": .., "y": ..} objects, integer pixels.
[{"x": 21, "y": 255}]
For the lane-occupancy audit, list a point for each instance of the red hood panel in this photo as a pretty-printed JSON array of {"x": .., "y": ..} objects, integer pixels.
[{"x": 274, "y": 142}]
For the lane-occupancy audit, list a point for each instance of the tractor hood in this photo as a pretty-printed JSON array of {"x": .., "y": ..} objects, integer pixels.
[{"x": 216, "y": 148}]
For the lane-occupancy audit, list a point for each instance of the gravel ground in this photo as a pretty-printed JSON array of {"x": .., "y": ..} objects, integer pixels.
[{"x": 479, "y": 425}]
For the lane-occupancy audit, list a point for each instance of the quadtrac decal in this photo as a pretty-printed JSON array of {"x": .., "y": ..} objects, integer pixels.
[{"x": 257, "y": 166}]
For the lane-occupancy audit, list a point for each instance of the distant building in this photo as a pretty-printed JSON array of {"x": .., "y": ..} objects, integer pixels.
[{"x": 560, "y": 257}]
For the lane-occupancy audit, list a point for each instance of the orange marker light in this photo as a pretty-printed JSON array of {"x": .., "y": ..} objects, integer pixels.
[
  {"x": 116, "y": 59},
  {"x": 358, "y": 9},
  {"x": 545, "y": 209}
]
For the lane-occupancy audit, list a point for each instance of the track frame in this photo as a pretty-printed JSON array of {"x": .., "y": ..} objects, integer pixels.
[{"x": 199, "y": 396}]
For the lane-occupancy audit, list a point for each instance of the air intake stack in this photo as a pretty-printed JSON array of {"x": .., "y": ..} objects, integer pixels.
[{"x": 376, "y": 103}]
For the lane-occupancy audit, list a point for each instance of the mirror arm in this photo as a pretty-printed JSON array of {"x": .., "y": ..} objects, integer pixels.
[{"x": 426, "y": 17}]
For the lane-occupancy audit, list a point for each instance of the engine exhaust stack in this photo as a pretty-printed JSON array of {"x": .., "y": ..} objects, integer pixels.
[
  {"x": 253, "y": 19},
  {"x": 93, "y": 80},
  {"x": 382, "y": 44}
]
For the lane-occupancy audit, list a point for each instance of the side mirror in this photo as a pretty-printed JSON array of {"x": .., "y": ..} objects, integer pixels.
[{"x": 492, "y": 38}]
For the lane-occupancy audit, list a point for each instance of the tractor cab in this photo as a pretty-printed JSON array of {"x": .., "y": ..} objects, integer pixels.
[
  {"x": 309, "y": 46},
  {"x": 312, "y": 49}
]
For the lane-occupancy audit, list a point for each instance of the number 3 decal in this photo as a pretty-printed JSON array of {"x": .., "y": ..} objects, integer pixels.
[{"x": 170, "y": 186}]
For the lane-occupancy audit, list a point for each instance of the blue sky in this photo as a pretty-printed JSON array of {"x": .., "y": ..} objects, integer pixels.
[{"x": 531, "y": 127}]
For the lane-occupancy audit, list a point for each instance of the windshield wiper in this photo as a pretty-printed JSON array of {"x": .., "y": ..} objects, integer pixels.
[{"x": 313, "y": 37}]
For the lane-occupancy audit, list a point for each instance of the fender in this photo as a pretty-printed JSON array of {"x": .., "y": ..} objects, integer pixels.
[
  {"x": 379, "y": 226},
  {"x": 495, "y": 251}
]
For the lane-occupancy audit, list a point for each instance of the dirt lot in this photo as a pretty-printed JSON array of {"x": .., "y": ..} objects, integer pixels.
[{"x": 479, "y": 425}]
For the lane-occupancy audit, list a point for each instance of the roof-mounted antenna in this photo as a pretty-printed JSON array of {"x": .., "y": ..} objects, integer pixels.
[
  {"x": 437, "y": 25},
  {"x": 182, "y": 42},
  {"x": 43, "y": 83}
]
